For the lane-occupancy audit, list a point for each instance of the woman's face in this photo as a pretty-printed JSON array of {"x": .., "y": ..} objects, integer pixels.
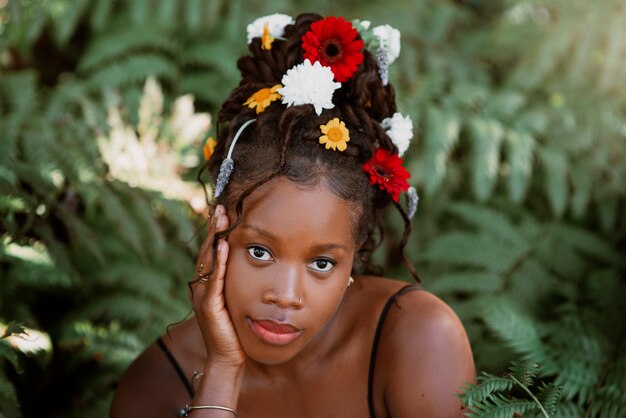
[{"x": 288, "y": 267}]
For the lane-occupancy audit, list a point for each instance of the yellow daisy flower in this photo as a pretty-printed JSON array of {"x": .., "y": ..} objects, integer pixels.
[
  {"x": 336, "y": 135},
  {"x": 267, "y": 39},
  {"x": 263, "y": 98},
  {"x": 209, "y": 147}
]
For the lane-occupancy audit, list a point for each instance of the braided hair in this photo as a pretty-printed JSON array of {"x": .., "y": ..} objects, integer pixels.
[{"x": 284, "y": 140}]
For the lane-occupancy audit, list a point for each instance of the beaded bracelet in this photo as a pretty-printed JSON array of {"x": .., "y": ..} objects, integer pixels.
[{"x": 184, "y": 412}]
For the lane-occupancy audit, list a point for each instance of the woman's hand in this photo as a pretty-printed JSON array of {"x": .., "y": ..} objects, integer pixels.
[{"x": 207, "y": 297}]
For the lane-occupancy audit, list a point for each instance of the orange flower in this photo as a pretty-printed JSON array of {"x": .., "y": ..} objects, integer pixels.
[
  {"x": 209, "y": 147},
  {"x": 263, "y": 98},
  {"x": 336, "y": 135},
  {"x": 267, "y": 39}
]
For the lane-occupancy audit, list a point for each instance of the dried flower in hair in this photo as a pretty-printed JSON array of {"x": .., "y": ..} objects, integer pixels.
[
  {"x": 386, "y": 170},
  {"x": 336, "y": 135},
  {"x": 276, "y": 24},
  {"x": 333, "y": 42},
  {"x": 263, "y": 98},
  {"x": 400, "y": 129},
  {"x": 308, "y": 83},
  {"x": 389, "y": 38},
  {"x": 209, "y": 147}
]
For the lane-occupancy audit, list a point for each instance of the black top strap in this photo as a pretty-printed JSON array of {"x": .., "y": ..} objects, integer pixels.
[
  {"x": 176, "y": 366},
  {"x": 379, "y": 328}
]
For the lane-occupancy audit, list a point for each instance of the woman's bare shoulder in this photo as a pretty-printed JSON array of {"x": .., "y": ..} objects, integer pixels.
[{"x": 427, "y": 357}]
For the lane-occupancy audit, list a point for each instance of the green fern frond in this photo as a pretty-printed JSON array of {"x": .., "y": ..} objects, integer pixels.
[
  {"x": 514, "y": 327},
  {"x": 442, "y": 134},
  {"x": 203, "y": 54},
  {"x": 66, "y": 18},
  {"x": 206, "y": 86},
  {"x": 19, "y": 92},
  {"x": 524, "y": 371},
  {"x": 519, "y": 151},
  {"x": 555, "y": 168},
  {"x": 466, "y": 282},
  {"x": 488, "y": 220},
  {"x": 100, "y": 13},
  {"x": 111, "y": 46},
  {"x": 504, "y": 104},
  {"x": 610, "y": 401},
  {"x": 127, "y": 308},
  {"x": 499, "y": 407},
  {"x": 487, "y": 385},
  {"x": 134, "y": 69},
  {"x": 477, "y": 250},
  {"x": 550, "y": 396},
  {"x": 486, "y": 136}
]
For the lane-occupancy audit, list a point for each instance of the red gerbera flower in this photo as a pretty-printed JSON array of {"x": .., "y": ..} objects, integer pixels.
[
  {"x": 386, "y": 170},
  {"x": 332, "y": 42}
]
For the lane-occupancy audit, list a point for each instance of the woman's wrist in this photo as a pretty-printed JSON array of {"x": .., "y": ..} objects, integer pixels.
[{"x": 220, "y": 385}]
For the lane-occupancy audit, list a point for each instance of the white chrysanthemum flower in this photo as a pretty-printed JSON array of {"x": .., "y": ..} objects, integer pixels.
[
  {"x": 276, "y": 24},
  {"x": 389, "y": 38},
  {"x": 400, "y": 130},
  {"x": 308, "y": 83}
]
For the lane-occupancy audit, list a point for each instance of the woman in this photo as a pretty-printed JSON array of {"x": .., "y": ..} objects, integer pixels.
[{"x": 305, "y": 167}]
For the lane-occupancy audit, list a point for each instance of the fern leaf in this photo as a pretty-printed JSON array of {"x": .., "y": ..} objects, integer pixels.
[
  {"x": 519, "y": 147},
  {"x": 587, "y": 243},
  {"x": 193, "y": 15},
  {"x": 442, "y": 134},
  {"x": 111, "y": 46},
  {"x": 120, "y": 305},
  {"x": 133, "y": 69},
  {"x": 121, "y": 219},
  {"x": 100, "y": 13},
  {"x": 466, "y": 282},
  {"x": 477, "y": 250},
  {"x": 524, "y": 371},
  {"x": 550, "y": 396},
  {"x": 499, "y": 407},
  {"x": 140, "y": 11},
  {"x": 20, "y": 92},
  {"x": 486, "y": 137},
  {"x": 555, "y": 167},
  {"x": 582, "y": 181},
  {"x": 487, "y": 386},
  {"x": 488, "y": 220},
  {"x": 504, "y": 104},
  {"x": 67, "y": 19},
  {"x": 514, "y": 327}
]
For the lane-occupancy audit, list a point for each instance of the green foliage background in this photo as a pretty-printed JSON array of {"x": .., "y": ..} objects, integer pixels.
[{"x": 519, "y": 159}]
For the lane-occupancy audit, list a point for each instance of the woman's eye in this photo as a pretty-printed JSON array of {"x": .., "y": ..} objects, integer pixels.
[
  {"x": 322, "y": 265},
  {"x": 259, "y": 253}
]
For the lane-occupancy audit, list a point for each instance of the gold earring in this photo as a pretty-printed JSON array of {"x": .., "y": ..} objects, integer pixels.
[{"x": 350, "y": 281}]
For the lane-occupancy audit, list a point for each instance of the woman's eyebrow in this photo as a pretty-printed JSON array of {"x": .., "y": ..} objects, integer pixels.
[
  {"x": 319, "y": 247},
  {"x": 328, "y": 247},
  {"x": 260, "y": 231}
]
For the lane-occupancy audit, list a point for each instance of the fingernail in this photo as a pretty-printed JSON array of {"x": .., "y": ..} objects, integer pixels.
[
  {"x": 218, "y": 210},
  {"x": 220, "y": 245}
]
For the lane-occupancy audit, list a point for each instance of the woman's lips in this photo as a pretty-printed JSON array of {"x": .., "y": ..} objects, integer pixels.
[{"x": 276, "y": 333}]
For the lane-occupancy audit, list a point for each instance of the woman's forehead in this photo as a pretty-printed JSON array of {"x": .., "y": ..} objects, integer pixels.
[{"x": 292, "y": 211}]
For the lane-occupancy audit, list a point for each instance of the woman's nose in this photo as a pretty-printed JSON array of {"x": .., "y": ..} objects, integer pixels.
[{"x": 285, "y": 290}]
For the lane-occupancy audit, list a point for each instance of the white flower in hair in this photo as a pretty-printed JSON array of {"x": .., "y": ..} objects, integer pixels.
[
  {"x": 308, "y": 83},
  {"x": 276, "y": 24},
  {"x": 400, "y": 130},
  {"x": 389, "y": 39}
]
